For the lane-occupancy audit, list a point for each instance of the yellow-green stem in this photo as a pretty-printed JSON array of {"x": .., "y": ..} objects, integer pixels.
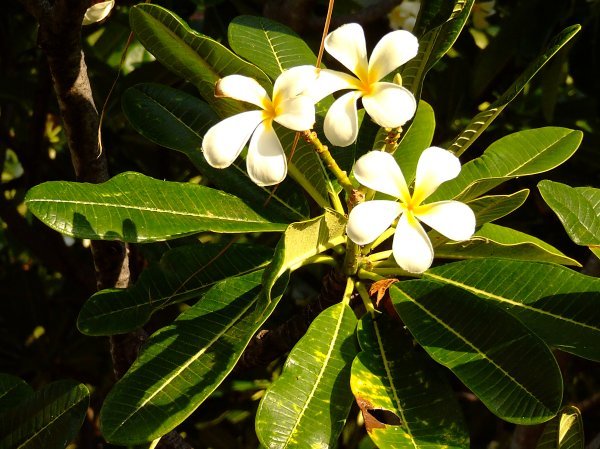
[
  {"x": 329, "y": 161},
  {"x": 308, "y": 187},
  {"x": 351, "y": 259},
  {"x": 348, "y": 291},
  {"x": 364, "y": 295},
  {"x": 320, "y": 258},
  {"x": 391, "y": 140},
  {"x": 383, "y": 255},
  {"x": 395, "y": 271},
  {"x": 365, "y": 274},
  {"x": 379, "y": 240}
]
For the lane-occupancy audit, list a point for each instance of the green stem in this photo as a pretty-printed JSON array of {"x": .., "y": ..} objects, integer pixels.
[
  {"x": 319, "y": 258},
  {"x": 366, "y": 299},
  {"x": 365, "y": 274},
  {"x": 391, "y": 140},
  {"x": 308, "y": 187},
  {"x": 383, "y": 255},
  {"x": 379, "y": 240},
  {"x": 351, "y": 259},
  {"x": 348, "y": 291},
  {"x": 337, "y": 203},
  {"x": 395, "y": 271},
  {"x": 329, "y": 161}
]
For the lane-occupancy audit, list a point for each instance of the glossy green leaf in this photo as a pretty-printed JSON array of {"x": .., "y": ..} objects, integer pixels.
[
  {"x": 560, "y": 305},
  {"x": 391, "y": 379},
  {"x": 47, "y": 419},
  {"x": 183, "y": 273},
  {"x": 499, "y": 363},
  {"x": 578, "y": 209},
  {"x": 433, "y": 45},
  {"x": 564, "y": 431},
  {"x": 522, "y": 153},
  {"x": 13, "y": 391},
  {"x": 308, "y": 405},
  {"x": 191, "y": 55},
  {"x": 301, "y": 241},
  {"x": 177, "y": 120},
  {"x": 482, "y": 120},
  {"x": 492, "y": 207},
  {"x": 493, "y": 241},
  {"x": 417, "y": 138},
  {"x": 270, "y": 45},
  {"x": 136, "y": 208},
  {"x": 182, "y": 364}
]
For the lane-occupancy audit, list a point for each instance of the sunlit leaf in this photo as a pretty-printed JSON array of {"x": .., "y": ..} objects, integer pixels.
[
  {"x": 191, "y": 55},
  {"x": 578, "y": 209},
  {"x": 301, "y": 241},
  {"x": 136, "y": 208},
  {"x": 522, "y": 153},
  {"x": 184, "y": 273},
  {"x": 182, "y": 364},
  {"x": 565, "y": 431},
  {"x": 49, "y": 418},
  {"x": 404, "y": 400},
  {"x": 493, "y": 241},
  {"x": 560, "y": 305},
  {"x": 499, "y": 363},
  {"x": 308, "y": 404}
]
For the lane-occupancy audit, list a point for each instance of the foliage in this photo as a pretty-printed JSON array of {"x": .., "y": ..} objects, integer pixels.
[{"x": 502, "y": 327}]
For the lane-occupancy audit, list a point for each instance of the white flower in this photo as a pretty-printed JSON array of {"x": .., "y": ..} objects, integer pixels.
[
  {"x": 266, "y": 162},
  {"x": 98, "y": 12},
  {"x": 388, "y": 104},
  {"x": 411, "y": 246},
  {"x": 480, "y": 12},
  {"x": 404, "y": 15}
]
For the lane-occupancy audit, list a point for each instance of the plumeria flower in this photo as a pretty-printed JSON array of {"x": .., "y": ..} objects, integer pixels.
[
  {"x": 411, "y": 247},
  {"x": 480, "y": 12},
  {"x": 404, "y": 15},
  {"x": 97, "y": 12},
  {"x": 266, "y": 161},
  {"x": 389, "y": 105}
]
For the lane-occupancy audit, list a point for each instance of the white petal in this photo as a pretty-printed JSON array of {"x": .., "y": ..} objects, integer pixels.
[
  {"x": 347, "y": 45},
  {"x": 435, "y": 166},
  {"x": 242, "y": 88},
  {"x": 393, "y": 50},
  {"x": 296, "y": 113},
  {"x": 370, "y": 219},
  {"x": 379, "y": 171},
  {"x": 390, "y": 105},
  {"x": 224, "y": 142},
  {"x": 411, "y": 247},
  {"x": 98, "y": 12},
  {"x": 294, "y": 81},
  {"x": 329, "y": 81},
  {"x": 452, "y": 219},
  {"x": 341, "y": 121},
  {"x": 266, "y": 162}
]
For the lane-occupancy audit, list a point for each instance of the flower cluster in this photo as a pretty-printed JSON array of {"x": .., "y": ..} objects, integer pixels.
[
  {"x": 292, "y": 105},
  {"x": 297, "y": 90}
]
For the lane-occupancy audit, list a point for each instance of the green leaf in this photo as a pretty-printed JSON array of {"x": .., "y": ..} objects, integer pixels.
[
  {"x": 308, "y": 404},
  {"x": 522, "y": 153},
  {"x": 177, "y": 120},
  {"x": 136, "y": 208},
  {"x": 270, "y": 45},
  {"x": 433, "y": 45},
  {"x": 417, "y": 138},
  {"x": 578, "y": 209},
  {"x": 482, "y": 120},
  {"x": 565, "y": 431},
  {"x": 560, "y": 305},
  {"x": 49, "y": 418},
  {"x": 301, "y": 241},
  {"x": 493, "y": 241},
  {"x": 492, "y": 207},
  {"x": 390, "y": 378},
  {"x": 183, "y": 273},
  {"x": 191, "y": 55},
  {"x": 182, "y": 364},
  {"x": 13, "y": 391},
  {"x": 499, "y": 363}
]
